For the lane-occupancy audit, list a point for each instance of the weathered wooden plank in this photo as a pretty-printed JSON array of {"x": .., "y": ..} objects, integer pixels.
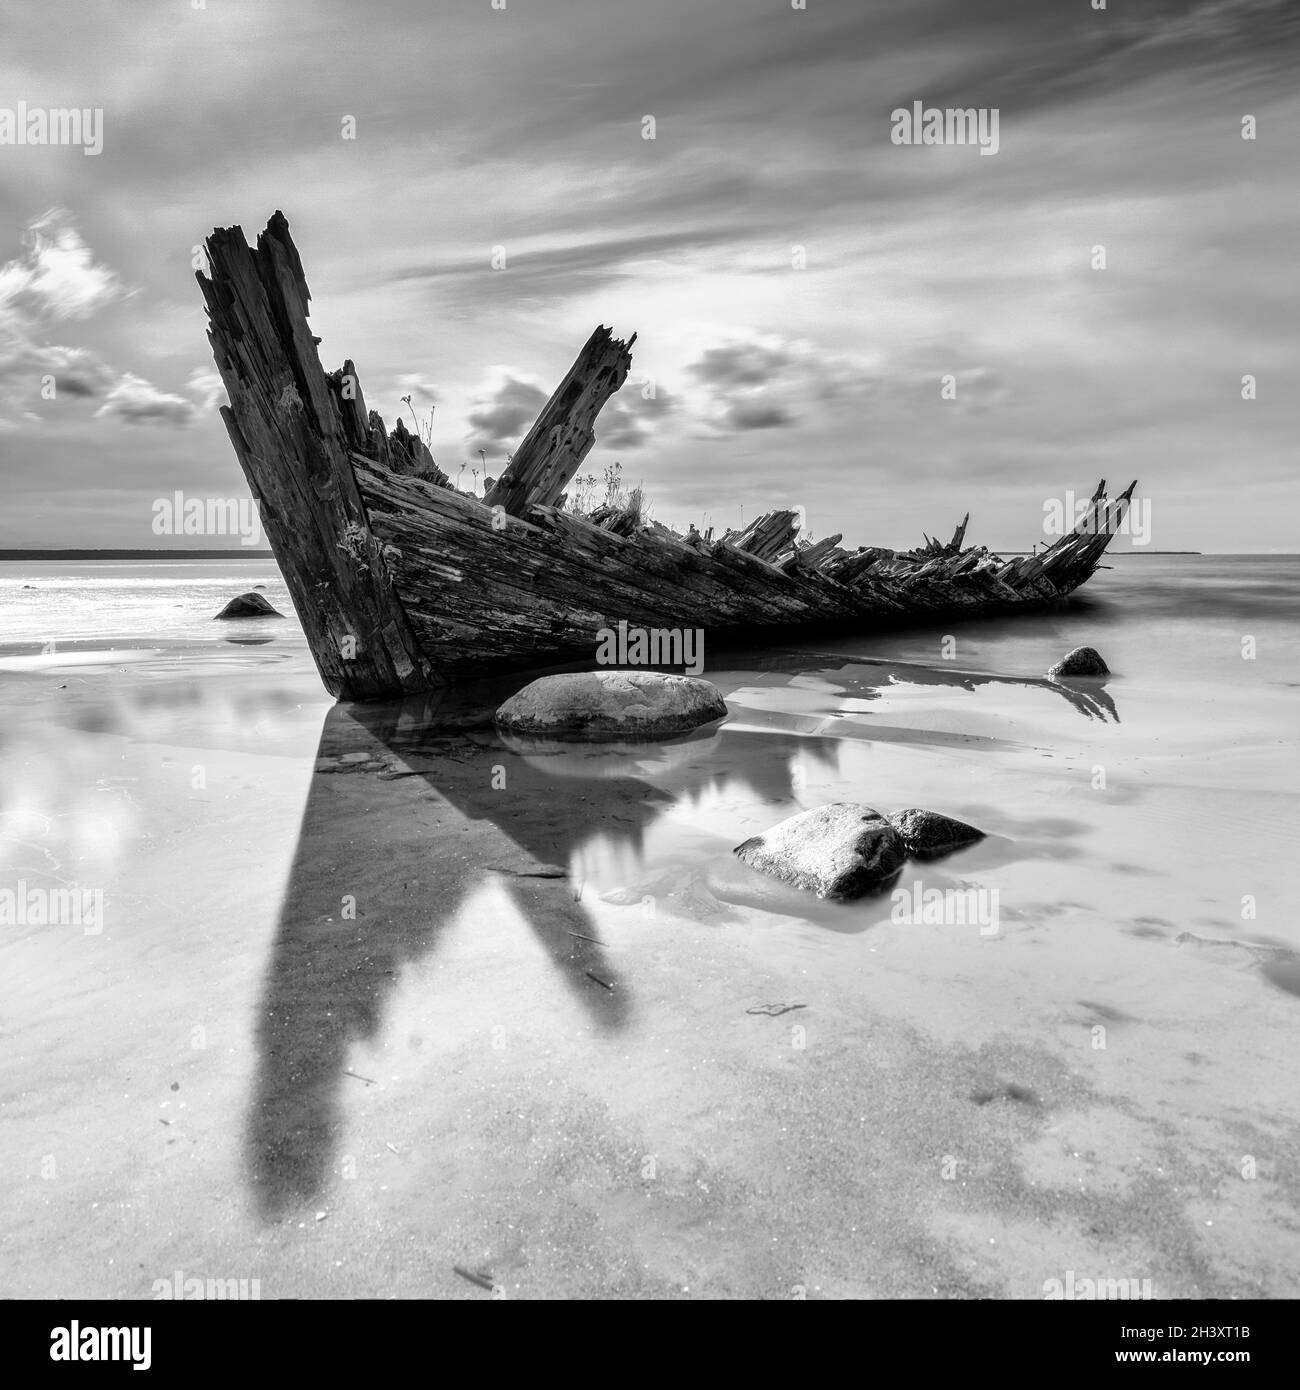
[
  {"x": 674, "y": 579},
  {"x": 768, "y": 537},
  {"x": 555, "y": 584},
  {"x": 808, "y": 555}
]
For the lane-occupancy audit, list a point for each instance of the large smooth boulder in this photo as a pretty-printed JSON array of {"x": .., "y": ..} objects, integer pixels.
[
  {"x": 927, "y": 834},
  {"x": 629, "y": 705},
  {"x": 250, "y": 605},
  {"x": 1082, "y": 661},
  {"x": 840, "y": 851}
]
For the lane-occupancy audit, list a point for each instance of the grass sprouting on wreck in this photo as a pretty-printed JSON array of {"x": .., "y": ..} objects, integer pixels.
[{"x": 403, "y": 581}]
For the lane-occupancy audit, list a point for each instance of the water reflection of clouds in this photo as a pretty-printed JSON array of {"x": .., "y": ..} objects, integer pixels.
[{"x": 68, "y": 810}]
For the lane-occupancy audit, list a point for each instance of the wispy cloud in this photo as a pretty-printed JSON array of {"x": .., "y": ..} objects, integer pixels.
[
  {"x": 769, "y": 382},
  {"x": 138, "y": 402},
  {"x": 420, "y": 391},
  {"x": 633, "y": 418},
  {"x": 57, "y": 276},
  {"x": 55, "y": 285},
  {"x": 503, "y": 412},
  {"x": 206, "y": 387}
]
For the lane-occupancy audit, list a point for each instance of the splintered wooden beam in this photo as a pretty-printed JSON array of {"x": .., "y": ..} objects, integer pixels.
[
  {"x": 809, "y": 555},
  {"x": 562, "y": 435},
  {"x": 768, "y": 537},
  {"x": 291, "y": 434}
]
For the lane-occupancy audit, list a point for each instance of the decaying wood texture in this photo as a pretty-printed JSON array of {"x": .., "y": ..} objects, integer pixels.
[
  {"x": 768, "y": 537},
  {"x": 489, "y": 600},
  {"x": 291, "y": 439},
  {"x": 811, "y": 555},
  {"x": 430, "y": 582},
  {"x": 562, "y": 435}
]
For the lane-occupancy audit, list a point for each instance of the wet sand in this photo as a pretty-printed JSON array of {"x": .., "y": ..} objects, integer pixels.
[{"x": 237, "y": 1078}]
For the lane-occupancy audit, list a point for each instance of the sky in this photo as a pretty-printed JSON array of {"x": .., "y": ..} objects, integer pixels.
[{"x": 802, "y": 286}]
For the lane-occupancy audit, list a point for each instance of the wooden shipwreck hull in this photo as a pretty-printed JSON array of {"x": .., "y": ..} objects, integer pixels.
[{"x": 403, "y": 582}]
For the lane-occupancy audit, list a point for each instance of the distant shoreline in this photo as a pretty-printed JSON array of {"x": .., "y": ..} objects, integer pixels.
[
  {"x": 248, "y": 553},
  {"x": 1111, "y": 554},
  {"x": 244, "y": 553}
]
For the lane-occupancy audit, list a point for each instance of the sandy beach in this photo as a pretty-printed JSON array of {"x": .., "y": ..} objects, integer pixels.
[{"x": 377, "y": 995}]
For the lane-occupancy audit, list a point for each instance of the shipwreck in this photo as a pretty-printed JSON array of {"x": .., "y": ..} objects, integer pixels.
[{"x": 404, "y": 583}]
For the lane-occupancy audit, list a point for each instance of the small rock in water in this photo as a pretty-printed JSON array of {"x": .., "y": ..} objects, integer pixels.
[
  {"x": 839, "y": 851},
  {"x": 1082, "y": 661},
  {"x": 612, "y": 705},
  {"x": 927, "y": 834},
  {"x": 249, "y": 606}
]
